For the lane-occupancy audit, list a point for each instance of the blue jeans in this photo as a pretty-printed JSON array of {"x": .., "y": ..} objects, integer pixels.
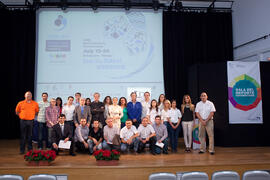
[
  {"x": 159, "y": 150},
  {"x": 91, "y": 146},
  {"x": 173, "y": 135},
  {"x": 107, "y": 146},
  {"x": 134, "y": 145},
  {"x": 42, "y": 135}
]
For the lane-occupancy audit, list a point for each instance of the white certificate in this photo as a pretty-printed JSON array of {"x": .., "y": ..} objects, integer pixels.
[
  {"x": 160, "y": 144},
  {"x": 64, "y": 145}
]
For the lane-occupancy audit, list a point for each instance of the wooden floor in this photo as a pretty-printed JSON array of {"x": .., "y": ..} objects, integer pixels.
[{"x": 139, "y": 166}]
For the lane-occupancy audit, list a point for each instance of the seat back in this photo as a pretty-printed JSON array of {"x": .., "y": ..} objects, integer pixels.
[
  {"x": 42, "y": 177},
  {"x": 225, "y": 175},
  {"x": 11, "y": 177},
  {"x": 194, "y": 176},
  {"x": 162, "y": 176},
  {"x": 256, "y": 175}
]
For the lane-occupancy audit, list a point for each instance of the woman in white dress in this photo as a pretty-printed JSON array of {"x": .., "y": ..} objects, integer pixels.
[
  {"x": 152, "y": 112},
  {"x": 115, "y": 112}
]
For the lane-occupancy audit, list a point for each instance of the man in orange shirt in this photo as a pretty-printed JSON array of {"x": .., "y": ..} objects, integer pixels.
[{"x": 26, "y": 110}]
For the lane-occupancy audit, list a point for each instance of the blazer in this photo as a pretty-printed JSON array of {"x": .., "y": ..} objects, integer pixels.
[
  {"x": 57, "y": 133},
  {"x": 86, "y": 114}
]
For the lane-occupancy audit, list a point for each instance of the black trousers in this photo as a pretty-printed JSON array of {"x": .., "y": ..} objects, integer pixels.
[
  {"x": 80, "y": 147},
  {"x": 26, "y": 127},
  {"x": 152, "y": 141}
]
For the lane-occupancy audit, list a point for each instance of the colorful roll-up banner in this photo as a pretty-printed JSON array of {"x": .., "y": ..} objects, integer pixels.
[{"x": 244, "y": 92}]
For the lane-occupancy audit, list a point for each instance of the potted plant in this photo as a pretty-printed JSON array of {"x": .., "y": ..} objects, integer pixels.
[
  {"x": 39, "y": 157},
  {"x": 106, "y": 157}
]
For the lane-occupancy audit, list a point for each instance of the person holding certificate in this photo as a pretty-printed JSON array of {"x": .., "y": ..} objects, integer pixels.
[
  {"x": 62, "y": 136},
  {"x": 161, "y": 135}
]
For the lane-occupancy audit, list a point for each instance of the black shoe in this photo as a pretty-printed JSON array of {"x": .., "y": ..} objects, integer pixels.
[
  {"x": 165, "y": 152},
  {"x": 186, "y": 150},
  {"x": 212, "y": 153},
  {"x": 153, "y": 153},
  {"x": 72, "y": 154},
  {"x": 201, "y": 152}
]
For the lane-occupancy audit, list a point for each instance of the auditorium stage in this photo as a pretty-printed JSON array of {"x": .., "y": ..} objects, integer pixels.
[{"x": 139, "y": 166}]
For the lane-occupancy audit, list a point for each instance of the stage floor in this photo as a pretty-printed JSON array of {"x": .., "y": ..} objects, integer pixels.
[{"x": 140, "y": 166}]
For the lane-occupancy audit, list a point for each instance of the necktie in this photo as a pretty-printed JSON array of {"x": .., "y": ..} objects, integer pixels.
[
  {"x": 62, "y": 129},
  {"x": 82, "y": 108}
]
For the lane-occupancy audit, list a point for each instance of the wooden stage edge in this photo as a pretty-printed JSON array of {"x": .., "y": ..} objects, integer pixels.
[{"x": 83, "y": 166}]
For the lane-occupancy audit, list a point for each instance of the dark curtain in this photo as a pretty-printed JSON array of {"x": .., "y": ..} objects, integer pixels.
[
  {"x": 18, "y": 51},
  {"x": 212, "y": 78},
  {"x": 192, "y": 38}
]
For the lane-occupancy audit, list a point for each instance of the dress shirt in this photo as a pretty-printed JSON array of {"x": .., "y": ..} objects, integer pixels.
[
  {"x": 126, "y": 133},
  {"x": 161, "y": 131},
  {"x": 145, "y": 131},
  {"x": 204, "y": 109}
]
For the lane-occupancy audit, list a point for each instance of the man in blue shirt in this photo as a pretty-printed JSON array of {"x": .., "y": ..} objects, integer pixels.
[{"x": 134, "y": 110}]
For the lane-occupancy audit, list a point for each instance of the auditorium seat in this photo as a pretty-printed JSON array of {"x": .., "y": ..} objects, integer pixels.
[
  {"x": 162, "y": 176},
  {"x": 10, "y": 177},
  {"x": 194, "y": 176},
  {"x": 42, "y": 177},
  {"x": 225, "y": 175},
  {"x": 256, "y": 175}
]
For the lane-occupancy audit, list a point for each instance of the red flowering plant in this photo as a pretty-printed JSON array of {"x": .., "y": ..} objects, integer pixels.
[
  {"x": 107, "y": 155},
  {"x": 39, "y": 155}
]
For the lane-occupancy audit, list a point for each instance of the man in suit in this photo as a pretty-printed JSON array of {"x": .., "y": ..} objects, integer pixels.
[
  {"x": 82, "y": 111},
  {"x": 62, "y": 131}
]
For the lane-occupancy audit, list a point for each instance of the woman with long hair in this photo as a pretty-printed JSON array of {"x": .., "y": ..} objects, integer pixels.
[
  {"x": 115, "y": 112},
  {"x": 174, "y": 126},
  {"x": 188, "y": 116},
  {"x": 161, "y": 100},
  {"x": 123, "y": 104},
  {"x": 165, "y": 113},
  {"x": 87, "y": 101},
  {"x": 59, "y": 103},
  {"x": 152, "y": 112},
  {"x": 107, "y": 102}
]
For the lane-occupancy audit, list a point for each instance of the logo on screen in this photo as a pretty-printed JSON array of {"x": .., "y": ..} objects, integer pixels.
[
  {"x": 129, "y": 31},
  {"x": 60, "y": 23},
  {"x": 244, "y": 92}
]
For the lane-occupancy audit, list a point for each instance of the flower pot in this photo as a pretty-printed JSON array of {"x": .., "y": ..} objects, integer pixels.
[
  {"x": 44, "y": 163},
  {"x": 32, "y": 163},
  {"x": 38, "y": 163},
  {"x": 107, "y": 163}
]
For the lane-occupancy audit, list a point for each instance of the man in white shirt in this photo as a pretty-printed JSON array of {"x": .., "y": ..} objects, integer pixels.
[
  {"x": 69, "y": 110},
  {"x": 110, "y": 133},
  {"x": 146, "y": 103},
  {"x": 129, "y": 137},
  {"x": 205, "y": 111},
  {"x": 147, "y": 135}
]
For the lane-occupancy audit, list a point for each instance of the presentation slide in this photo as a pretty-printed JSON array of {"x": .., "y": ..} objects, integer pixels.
[{"x": 109, "y": 51}]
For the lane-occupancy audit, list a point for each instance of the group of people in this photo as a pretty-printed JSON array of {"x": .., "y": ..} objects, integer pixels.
[{"x": 115, "y": 124}]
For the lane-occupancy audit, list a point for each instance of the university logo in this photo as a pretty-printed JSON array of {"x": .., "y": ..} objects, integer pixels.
[
  {"x": 60, "y": 23},
  {"x": 244, "y": 92}
]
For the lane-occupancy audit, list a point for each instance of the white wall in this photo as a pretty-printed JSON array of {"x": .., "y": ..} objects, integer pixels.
[{"x": 251, "y": 20}]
